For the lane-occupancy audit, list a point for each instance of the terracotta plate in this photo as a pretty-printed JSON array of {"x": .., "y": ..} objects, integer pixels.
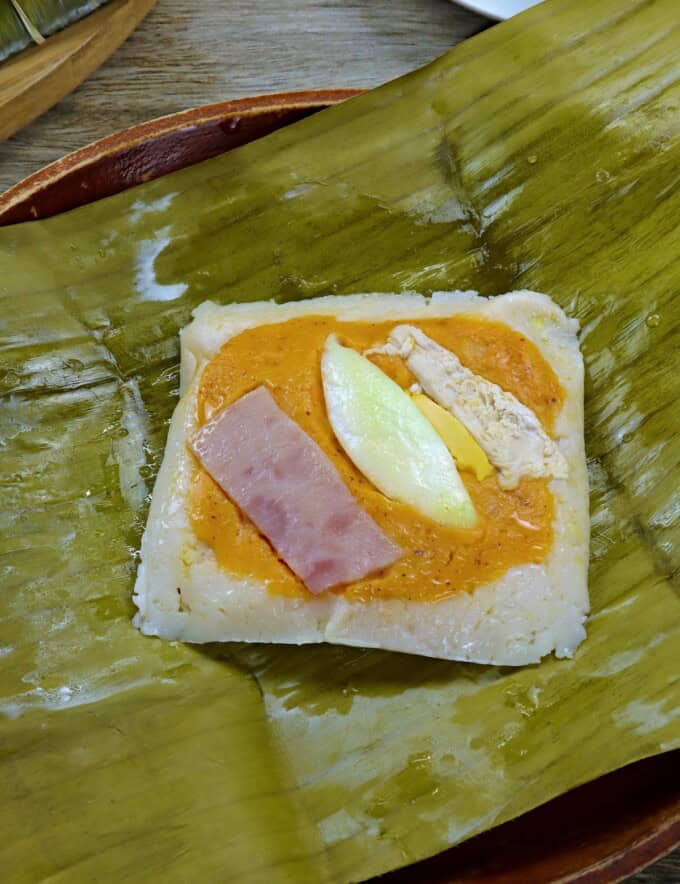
[{"x": 599, "y": 833}]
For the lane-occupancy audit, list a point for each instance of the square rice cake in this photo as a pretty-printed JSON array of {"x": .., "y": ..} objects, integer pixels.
[{"x": 186, "y": 591}]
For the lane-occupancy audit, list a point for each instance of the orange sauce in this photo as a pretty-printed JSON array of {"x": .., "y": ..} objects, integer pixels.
[{"x": 515, "y": 526}]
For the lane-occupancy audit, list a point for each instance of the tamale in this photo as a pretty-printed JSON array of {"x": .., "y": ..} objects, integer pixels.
[
  {"x": 43, "y": 16},
  {"x": 540, "y": 154}
]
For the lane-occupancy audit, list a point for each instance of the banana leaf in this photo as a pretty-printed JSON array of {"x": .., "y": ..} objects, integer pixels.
[
  {"x": 46, "y": 16},
  {"x": 542, "y": 154}
]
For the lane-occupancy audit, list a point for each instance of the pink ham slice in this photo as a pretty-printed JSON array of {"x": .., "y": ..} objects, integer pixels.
[{"x": 289, "y": 488}]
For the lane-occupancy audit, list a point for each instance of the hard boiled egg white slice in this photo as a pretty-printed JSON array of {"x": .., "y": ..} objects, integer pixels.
[{"x": 389, "y": 439}]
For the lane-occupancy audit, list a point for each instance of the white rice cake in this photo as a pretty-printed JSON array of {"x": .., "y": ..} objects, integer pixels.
[{"x": 526, "y": 613}]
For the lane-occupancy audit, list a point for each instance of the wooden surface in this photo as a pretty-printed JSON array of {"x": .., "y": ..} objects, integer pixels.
[
  {"x": 37, "y": 78},
  {"x": 186, "y": 54}
]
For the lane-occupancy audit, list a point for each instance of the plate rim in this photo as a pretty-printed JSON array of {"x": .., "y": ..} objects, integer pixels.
[
  {"x": 156, "y": 127},
  {"x": 480, "y": 8}
]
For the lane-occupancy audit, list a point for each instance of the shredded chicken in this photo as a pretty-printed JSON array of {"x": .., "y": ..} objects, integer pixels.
[{"x": 508, "y": 431}]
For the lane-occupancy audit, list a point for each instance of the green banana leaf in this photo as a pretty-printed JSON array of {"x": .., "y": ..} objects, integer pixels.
[
  {"x": 46, "y": 16},
  {"x": 541, "y": 154}
]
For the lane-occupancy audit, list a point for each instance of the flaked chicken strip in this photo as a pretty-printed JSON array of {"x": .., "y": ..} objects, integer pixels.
[{"x": 508, "y": 431}]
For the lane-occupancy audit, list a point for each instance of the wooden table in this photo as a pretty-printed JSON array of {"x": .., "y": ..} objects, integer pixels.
[{"x": 186, "y": 54}]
